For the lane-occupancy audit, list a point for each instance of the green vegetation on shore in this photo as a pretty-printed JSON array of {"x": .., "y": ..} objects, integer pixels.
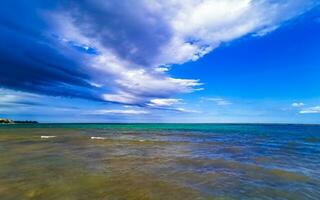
[
  {"x": 9, "y": 121},
  {"x": 6, "y": 121}
]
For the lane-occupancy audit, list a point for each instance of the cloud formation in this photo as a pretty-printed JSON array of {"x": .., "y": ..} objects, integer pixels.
[
  {"x": 217, "y": 101},
  {"x": 12, "y": 99},
  {"x": 120, "y": 111},
  {"x": 297, "y": 104},
  {"x": 121, "y": 51},
  {"x": 310, "y": 110},
  {"x": 163, "y": 102}
]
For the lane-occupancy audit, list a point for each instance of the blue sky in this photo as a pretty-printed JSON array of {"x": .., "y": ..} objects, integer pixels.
[{"x": 160, "y": 61}]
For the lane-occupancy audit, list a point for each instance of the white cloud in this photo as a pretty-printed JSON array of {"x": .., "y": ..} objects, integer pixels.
[
  {"x": 8, "y": 98},
  {"x": 170, "y": 105},
  {"x": 163, "y": 102},
  {"x": 187, "y": 110},
  {"x": 119, "y": 111},
  {"x": 297, "y": 104},
  {"x": 139, "y": 41},
  {"x": 14, "y": 97},
  {"x": 217, "y": 101},
  {"x": 121, "y": 97},
  {"x": 201, "y": 26},
  {"x": 310, "y": 110}
]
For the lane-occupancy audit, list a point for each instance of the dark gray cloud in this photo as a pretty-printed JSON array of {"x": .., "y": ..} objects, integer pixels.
[
  {"x": 127, "y": 28},
  {"x": 31, "y": 60}
]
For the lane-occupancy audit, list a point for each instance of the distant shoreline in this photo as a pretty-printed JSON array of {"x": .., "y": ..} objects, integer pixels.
[
  {"x": 160, "y": 123},
  {"x": 9, "y": 121}
]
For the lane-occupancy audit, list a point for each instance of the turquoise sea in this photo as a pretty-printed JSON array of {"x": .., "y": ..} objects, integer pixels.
[{"x": 159, "y": 161}]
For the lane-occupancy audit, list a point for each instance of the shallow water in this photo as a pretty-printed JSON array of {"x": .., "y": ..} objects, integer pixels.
[{"x": 159, "y": 161}]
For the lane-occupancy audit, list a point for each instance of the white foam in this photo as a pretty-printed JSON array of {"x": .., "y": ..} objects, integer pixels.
[
  {"x": 97, "y": 138},
  {"x": 141, "y": 140},
  {"x": 47, "y": 136}
]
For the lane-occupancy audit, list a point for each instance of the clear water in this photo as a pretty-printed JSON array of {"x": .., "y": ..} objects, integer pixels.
[{"x": 159, "y": 161}]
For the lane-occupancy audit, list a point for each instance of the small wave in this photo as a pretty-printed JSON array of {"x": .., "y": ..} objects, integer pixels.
[
  {"x": 98, "y": 138},
  {"x": 47, "y": 136}
]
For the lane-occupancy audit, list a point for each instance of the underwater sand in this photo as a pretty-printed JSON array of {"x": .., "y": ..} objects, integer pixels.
[{"x": 159, "y": 161}]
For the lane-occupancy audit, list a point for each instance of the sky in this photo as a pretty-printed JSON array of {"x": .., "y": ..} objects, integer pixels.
[{"x": 179, "y": 61}]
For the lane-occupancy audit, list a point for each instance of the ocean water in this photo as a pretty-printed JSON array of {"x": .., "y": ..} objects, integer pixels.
[{"x": 159, "y": 161}]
